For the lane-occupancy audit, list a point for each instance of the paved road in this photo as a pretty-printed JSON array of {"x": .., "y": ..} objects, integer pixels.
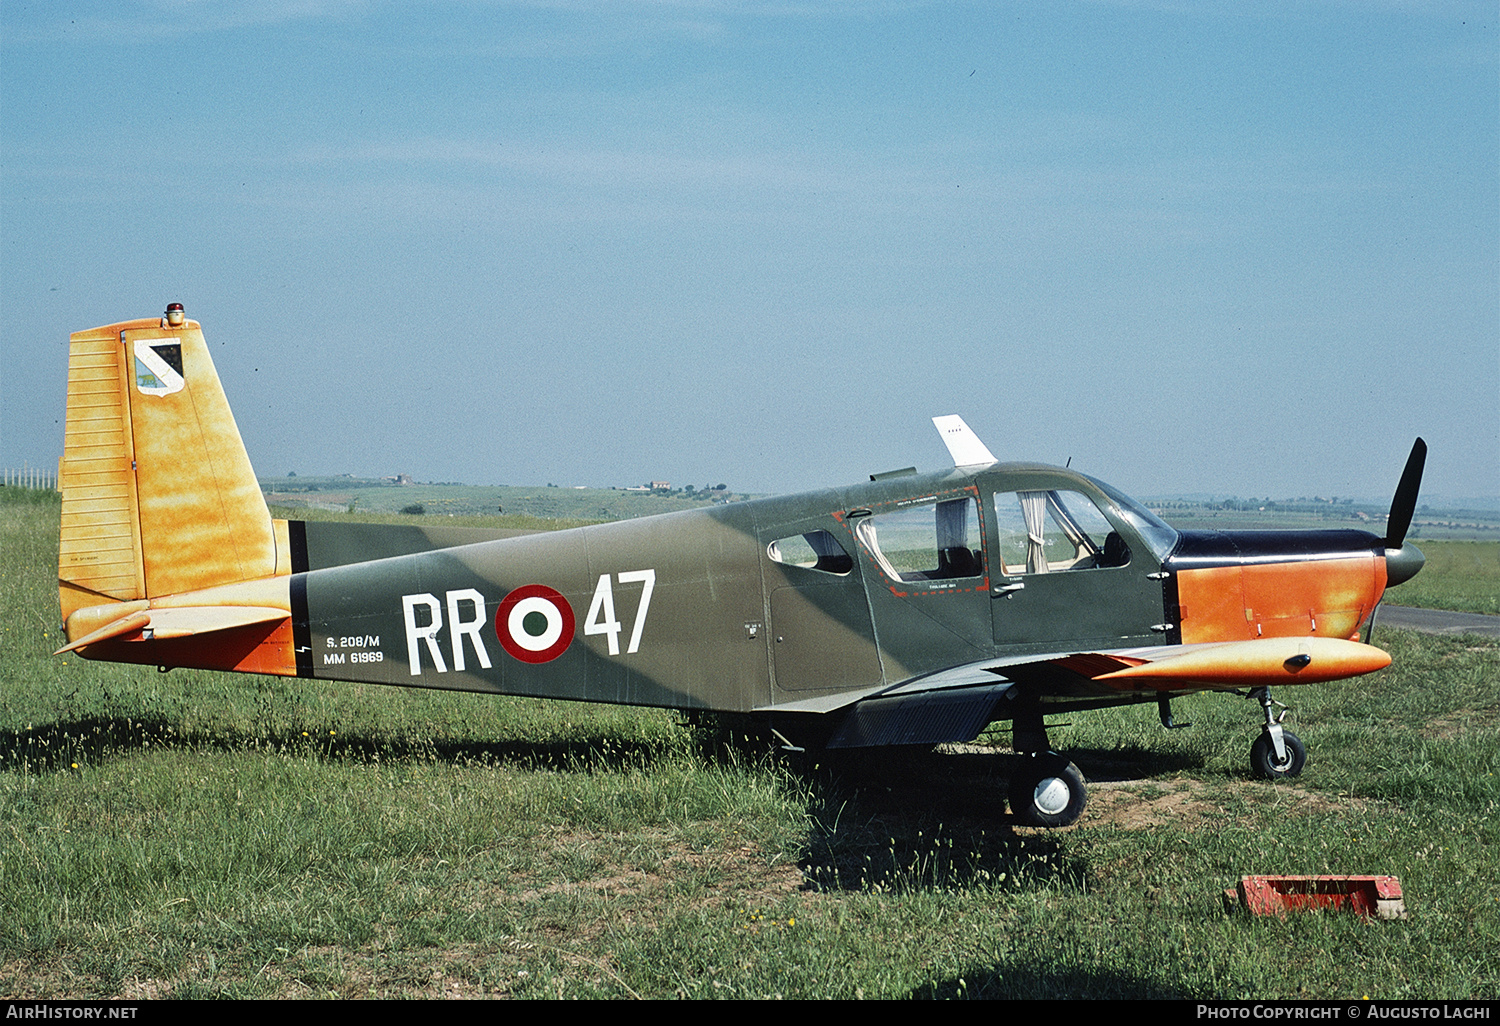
[{"x": 1437, "y": 621}]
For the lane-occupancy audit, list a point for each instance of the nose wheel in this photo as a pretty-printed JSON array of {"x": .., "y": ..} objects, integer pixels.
[
  {"x": 1277, "y": 753},
  {"x": 1265, "y": 762},
  {"x": 1046, "y": 790}
]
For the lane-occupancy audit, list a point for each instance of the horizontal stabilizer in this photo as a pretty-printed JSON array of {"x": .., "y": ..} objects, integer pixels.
[
  {"x": 124, "y": 625},
  {"x": 179, "y": 622}
]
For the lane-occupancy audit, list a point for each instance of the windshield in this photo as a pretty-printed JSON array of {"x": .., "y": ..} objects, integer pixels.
[{"x": 1160, "y": 535}]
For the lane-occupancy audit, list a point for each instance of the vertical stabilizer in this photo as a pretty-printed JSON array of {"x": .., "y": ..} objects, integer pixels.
[
  {"x": 963, "y": 444},
  {"x": 158, "y": 493}
]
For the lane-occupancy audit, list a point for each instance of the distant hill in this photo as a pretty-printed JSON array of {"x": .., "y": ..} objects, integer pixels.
[
  {"x": 549, "y": 502},
  {"x": 377, "y": 498},
  {"x": 1434, "y": 522}
]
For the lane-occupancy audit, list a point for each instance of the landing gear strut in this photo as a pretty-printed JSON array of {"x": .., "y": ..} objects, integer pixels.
[{"x": 1277, "y": 753}]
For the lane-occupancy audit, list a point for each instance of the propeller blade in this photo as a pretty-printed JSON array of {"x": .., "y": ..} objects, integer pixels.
[{"x": 1405, "y": 502}]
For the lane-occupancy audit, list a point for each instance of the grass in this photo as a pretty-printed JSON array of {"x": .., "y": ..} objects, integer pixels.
[{"x": 207, "y": 835}]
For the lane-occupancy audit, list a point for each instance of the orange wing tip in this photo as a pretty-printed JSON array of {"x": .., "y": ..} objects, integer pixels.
[
  {"x": 1265, "y": 661},
  {"x": 180, "y": 622}
]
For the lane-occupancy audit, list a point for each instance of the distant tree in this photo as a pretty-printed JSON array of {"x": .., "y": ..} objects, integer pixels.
[
  {"x": 291, "y": 473},
  {"x": 415, "y": 508}
]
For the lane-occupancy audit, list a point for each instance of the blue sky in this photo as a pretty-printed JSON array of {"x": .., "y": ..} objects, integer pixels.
[{"x": 1247, "y": 248}]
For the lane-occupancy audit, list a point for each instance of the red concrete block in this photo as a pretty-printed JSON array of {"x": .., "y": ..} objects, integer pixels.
[{"x": 1377, "y": 896}]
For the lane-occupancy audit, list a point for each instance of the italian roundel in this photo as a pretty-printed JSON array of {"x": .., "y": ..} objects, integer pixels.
[{"x": 535, "y": 623}]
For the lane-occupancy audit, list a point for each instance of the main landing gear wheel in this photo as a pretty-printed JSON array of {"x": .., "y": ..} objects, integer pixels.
[
  {"x": 1263, "y": 761},
  {"x": 1046, "y": 790}
]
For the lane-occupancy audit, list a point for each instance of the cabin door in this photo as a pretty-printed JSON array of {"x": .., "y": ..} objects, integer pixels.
[{"x": 1064, "y": 576}]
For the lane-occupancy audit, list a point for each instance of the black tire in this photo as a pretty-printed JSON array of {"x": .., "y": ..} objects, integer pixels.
[
  {"x": 1047, "y": 790},
  {"x": 1263, "y": 757}
]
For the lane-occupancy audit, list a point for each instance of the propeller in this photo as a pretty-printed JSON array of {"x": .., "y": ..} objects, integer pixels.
[
  {"x": 1402, "y": 561},
  {"x": 1405, "y": 502}
]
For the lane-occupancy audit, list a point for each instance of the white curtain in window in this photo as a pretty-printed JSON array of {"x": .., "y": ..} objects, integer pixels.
[{"x": 1034, "y": 511}]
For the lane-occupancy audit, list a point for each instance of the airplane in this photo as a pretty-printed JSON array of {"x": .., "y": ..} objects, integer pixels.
[{"x": 910, "y": 609}]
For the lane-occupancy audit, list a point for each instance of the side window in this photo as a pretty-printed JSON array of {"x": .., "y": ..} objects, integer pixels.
[
  {"x": 934, "y": 541},
  {"x": 816, "y": 550},
  {"x": 1047, "y": 531}
]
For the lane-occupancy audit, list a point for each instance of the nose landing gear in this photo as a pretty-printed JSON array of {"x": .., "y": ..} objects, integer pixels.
[{"x": 1277, "y": 753}]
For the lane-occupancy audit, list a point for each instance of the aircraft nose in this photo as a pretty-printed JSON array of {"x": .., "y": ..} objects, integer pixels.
[{"x": 1402, "y": 564}]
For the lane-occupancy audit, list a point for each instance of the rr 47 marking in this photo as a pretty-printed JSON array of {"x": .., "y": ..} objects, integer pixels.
[{"x": 466, "y": 617}]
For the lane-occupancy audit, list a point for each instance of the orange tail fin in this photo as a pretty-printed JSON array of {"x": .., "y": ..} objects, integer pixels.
[{"x": 158, "y": 493}]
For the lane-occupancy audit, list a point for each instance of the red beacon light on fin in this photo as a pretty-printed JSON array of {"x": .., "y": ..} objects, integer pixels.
[{"x": 176, "y": 316}]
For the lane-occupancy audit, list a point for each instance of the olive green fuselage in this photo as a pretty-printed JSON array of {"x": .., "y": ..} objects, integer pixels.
[{"x": 706, "y": 610}]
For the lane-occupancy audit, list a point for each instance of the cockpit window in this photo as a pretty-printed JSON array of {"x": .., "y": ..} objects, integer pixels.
[
  {"x": 927, "y": 541},
  {"x": 1161, "y": 536},
  {"x": 816, "y": 550},
  {"x": 1046, "y": 531}
]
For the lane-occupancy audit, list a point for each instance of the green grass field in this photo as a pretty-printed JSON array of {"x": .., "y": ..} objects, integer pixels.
[{"x": 195, "y": 834}]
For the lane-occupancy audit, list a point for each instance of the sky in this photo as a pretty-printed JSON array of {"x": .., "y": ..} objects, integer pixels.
[{"x": 1244, "y": 248}]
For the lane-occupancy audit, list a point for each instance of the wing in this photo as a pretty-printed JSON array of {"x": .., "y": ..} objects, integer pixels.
[{"x": 955, "y": 704}]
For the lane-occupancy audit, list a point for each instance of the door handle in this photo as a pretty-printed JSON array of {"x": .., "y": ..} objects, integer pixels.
[{"x": 1009, "y": 588}]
